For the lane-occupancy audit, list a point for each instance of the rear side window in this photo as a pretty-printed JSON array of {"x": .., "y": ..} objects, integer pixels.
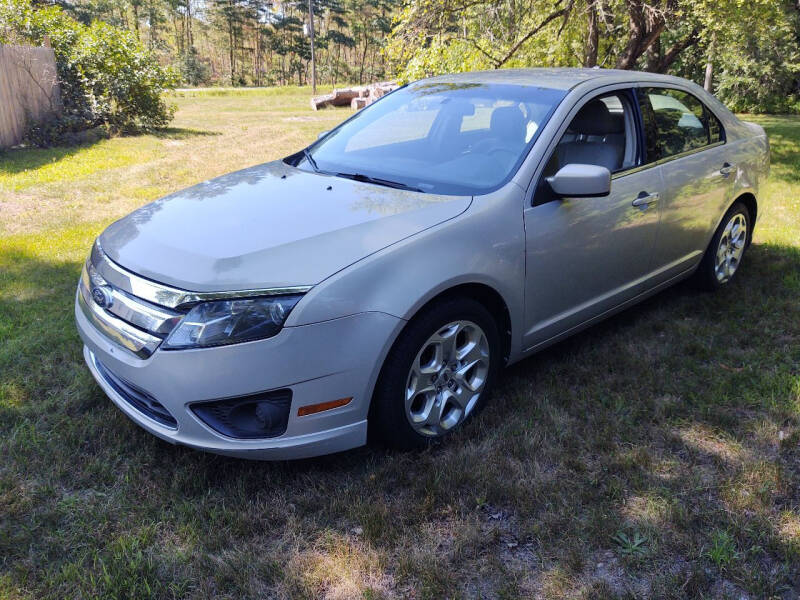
[
  {"x": 715, "y": 131},
  {"x": 676, "y": 122},
  {"x": 651, "y": 151}
]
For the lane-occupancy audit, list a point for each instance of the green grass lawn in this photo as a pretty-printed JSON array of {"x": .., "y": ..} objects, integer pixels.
[{"x": 655, "y": 455}]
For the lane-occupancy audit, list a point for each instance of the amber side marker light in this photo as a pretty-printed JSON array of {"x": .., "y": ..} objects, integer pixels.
[{"x": 315, "y": 408}]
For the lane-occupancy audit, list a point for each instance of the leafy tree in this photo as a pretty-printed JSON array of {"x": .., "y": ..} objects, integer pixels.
[
  {"x": 435, "y": 36},
  {"x": 231, "y": 16},
  {"x": 751, "y": 51},
  {"x": 744, "y": 50}
]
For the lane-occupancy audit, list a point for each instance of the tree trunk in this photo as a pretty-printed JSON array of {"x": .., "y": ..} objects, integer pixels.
[
  {"x": 152, "y": 11},
  {"x": 189, "y": 35},
  {"x": 592, "y": 37},
  {"x": 256, "y": 57},
  {"x": 363, "y": 58},
  {"x": 671, "y": 55},
  {"x": 336, "y": 64},
  {"x": 232, "y": 50},
  {"x": 313, "y": 58},
  {"x": 178, "y": 33},
  {"x": 136, "y": 20},
  {"x": 654, "y": 56},
  {"x": 709, "y": 79},
  {"x": 644, "y": 31}
]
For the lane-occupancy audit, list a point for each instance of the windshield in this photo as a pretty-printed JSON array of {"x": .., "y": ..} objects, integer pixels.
[{"x": 444, "y": 138}]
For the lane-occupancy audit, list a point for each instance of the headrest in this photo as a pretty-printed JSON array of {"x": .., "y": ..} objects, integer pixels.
[
  {"x": 595, "y": 119},
  {"x": 508, "y": 123}
]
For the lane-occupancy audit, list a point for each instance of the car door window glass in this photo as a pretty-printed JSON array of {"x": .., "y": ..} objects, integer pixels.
[
  {"x": 601, "y": 133},
  {"x": 596, "y": 136},
  {"x": 680, "y": 123},
  {"x": 651, "y": 149},
  {"x": 715, "y": 132}
]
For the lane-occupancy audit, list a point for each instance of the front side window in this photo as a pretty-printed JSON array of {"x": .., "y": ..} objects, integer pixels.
[
  {"x": 676, "y": 122},
  {"x": 601, "y": 133},
  {"x": 446, "y": 138}
]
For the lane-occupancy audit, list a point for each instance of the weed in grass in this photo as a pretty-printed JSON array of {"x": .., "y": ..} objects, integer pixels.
[
  {"x": 722, "y": 551},
  {"x": 634, "y": 545}
]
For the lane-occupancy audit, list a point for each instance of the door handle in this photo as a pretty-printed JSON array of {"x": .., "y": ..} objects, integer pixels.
[
  {"x": 726, "y": 169},
  {"x": 645, "y": 199}
]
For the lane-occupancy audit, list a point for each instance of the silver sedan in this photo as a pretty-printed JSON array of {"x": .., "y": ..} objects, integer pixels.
[{"x": 378, "y": 280}]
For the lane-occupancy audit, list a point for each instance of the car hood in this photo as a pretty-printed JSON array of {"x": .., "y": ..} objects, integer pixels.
[{"x": 272, "y": 225}]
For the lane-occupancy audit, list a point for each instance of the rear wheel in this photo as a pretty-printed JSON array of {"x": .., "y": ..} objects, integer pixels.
[
  {"x": 439, "y": 372},
  {"x": 726, "y": 250}
]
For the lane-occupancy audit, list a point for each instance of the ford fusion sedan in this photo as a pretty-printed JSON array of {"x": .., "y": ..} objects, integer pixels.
[{"x": 377, "y": 281}]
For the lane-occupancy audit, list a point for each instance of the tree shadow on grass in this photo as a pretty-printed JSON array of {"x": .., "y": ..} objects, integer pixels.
[
  {"x": 659, "y": 421},
  {"x": 29, "y": 159},
  {"x": 183, "y": 133},
  {"x": 655, "y": 422},
  {"x": 37, "y": 334},
  {"x": 652, "y": 422},
  {"x": 674, "y": 409}
]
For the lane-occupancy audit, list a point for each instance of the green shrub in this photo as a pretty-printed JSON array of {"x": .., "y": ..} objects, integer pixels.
[
  {"x": 108, "y": 79},
  {"x": 760, "y": 72}
]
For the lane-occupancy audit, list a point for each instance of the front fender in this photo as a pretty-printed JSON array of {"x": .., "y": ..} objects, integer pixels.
[{"x": 483, "y": 245}]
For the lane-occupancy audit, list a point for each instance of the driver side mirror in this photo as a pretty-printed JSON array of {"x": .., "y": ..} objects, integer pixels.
[{"x": 581, "y": 181}]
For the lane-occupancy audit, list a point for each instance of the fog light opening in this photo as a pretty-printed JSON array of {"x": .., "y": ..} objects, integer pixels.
[{"x": 248, "y": 417}]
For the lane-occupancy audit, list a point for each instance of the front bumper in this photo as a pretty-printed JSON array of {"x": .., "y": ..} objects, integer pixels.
[{"x": 321, "y": 362}]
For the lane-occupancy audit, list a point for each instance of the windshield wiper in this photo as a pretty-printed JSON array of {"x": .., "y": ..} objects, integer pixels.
[
  {"x": 378, "y": 181},
  {"x": 310, "y": 160}
]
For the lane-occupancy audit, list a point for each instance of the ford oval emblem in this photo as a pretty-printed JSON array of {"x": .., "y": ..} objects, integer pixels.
[{"x": 102, "y": 296}]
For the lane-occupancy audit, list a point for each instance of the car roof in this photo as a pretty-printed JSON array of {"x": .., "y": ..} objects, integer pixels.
[{"x": 562, "y": 78}]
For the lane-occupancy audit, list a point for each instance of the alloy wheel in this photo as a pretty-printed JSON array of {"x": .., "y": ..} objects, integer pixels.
[
  {"x": 731, "y": 247},
  {"x": 446, "y": 378}
]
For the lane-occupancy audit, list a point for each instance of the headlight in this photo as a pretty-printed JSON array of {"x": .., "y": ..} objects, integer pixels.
[{"x": 231, "y": 321}]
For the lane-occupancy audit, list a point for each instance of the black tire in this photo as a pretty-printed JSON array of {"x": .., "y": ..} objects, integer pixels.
[
  {"x": 706, "y": 275},
  {"x": 388, "y": 419}
]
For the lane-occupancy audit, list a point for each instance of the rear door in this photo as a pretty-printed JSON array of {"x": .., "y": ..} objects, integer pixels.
[
  {"x": 687, "y": 140},
  {"x": 585, "y": 256}
]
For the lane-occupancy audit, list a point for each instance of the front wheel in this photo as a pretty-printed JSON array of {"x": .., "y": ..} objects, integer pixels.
[
  {"x": 440, "y": 371},
  {"x": 726, "y": 250}
]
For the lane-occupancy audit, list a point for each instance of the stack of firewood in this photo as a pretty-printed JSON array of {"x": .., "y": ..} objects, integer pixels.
[{"x": 357, "y": 97}]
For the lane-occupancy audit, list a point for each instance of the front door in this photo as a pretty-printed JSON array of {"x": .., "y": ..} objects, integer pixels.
[{"x": 585, "y": 256}]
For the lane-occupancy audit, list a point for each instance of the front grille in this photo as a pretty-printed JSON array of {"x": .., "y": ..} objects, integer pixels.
[
  {"x": 137, "y": 398},
  {"x": 136, "y": 324},
  {"x": 138, "y": 313}
]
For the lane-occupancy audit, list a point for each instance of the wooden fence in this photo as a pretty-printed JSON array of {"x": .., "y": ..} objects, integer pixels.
[{"x": 28, "y": 90}]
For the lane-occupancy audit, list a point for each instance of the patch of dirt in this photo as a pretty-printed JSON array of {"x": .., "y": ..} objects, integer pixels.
[
  {"x": 9, "y": 213},
  {"x": 726, "y": 590}
]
